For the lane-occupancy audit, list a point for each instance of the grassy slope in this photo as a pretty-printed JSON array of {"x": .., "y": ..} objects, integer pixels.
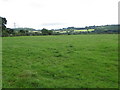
[
  {"x": 71, "y": 61},
  {"x": 76, "y": 30},
  {"x": 85, "y": 30}
]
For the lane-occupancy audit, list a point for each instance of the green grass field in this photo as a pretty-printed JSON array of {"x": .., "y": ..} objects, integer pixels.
[{"x": 64, "y": 61}]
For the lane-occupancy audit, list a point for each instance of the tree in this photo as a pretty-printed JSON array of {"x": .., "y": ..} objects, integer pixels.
[
  {"x": 87, "y": 29},
  {"x": 26, "y": 32},
  {"x": 22, "y": 32},
  {"x": 4, "y": 21},
  {"x": 45, "y": 31},
  {"x": 4, "y": 31},
  {"x": 50, "y": 32},
  {"x": 10, "y": 32}
]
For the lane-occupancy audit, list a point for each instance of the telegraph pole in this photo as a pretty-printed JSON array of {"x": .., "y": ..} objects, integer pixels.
[{"x": 14, "y": 25}]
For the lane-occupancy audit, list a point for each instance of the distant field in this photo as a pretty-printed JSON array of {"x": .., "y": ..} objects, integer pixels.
[
  {"x": 64, "y": 61},
  {"x": 85, "y": 30},
  {"x": 76, "y": 30}
]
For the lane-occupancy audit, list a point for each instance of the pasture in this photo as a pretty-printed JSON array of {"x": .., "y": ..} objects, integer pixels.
[{"x": 63, "y": 61}]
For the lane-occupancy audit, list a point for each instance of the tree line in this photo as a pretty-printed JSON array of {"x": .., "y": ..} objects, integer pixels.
[
  {"x": 4, "y": 31},
  {"x": 12, "y": 32}
]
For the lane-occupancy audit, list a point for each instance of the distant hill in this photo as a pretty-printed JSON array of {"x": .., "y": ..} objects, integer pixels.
[
  {"x": 89, "y": 29},
  {"x": 28, "y": 29},
  {"x": 107, "y": 29}
]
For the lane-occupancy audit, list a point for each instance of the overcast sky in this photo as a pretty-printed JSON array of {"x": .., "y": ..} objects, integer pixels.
[{"x": 52, "y": 14}]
